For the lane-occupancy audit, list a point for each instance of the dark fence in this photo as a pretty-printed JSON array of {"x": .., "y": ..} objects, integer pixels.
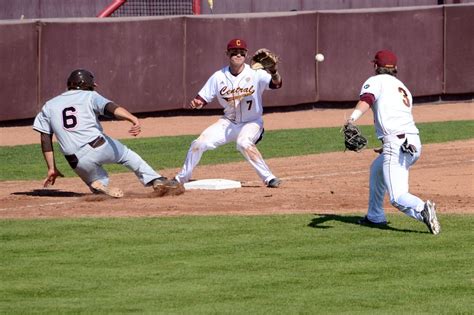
[
  {"x": 137, "y": 62},
  {"x": 348, "y": 40},
  {"x": 42, "y": 9},
  {"x": 459, "y": 50},
  {"x": 158, "y": 64},
  {"x": 19, "y": 91},
  {"x": 246, "y": 6}
]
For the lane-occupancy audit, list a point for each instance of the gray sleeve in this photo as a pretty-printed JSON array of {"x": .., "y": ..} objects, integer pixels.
[
  {"x": 42, "y": 122},
  {"x": 98, "y": 103}
]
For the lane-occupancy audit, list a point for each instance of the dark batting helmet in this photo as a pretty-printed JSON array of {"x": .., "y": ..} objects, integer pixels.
[{"x": 81, "y": 79}]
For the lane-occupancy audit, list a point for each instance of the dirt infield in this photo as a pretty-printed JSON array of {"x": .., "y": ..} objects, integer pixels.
[{"x": 323, "y": 183}]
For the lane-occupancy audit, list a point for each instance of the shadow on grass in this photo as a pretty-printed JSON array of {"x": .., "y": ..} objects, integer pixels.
[
  {"x": 320, "y": 219},
  {"x": 48, "y": 193}
]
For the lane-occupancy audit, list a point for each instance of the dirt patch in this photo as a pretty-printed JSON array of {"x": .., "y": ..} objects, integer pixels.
[
  {"x": 194, "y": 125},
  {"x": 323, "y": 183}
]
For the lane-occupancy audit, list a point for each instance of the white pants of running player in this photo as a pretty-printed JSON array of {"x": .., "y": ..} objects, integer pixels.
[
  {"x": 224, "y": 131},
  {"x": 389, "y": 173},
  {"x": 112, "y": 151}
]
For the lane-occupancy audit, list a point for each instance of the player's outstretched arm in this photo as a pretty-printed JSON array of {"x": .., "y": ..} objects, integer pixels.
[
  {"x": 123, "y": 114},
  {"x": 361, "y": 108},
  {"x": 48, "y": 154}
]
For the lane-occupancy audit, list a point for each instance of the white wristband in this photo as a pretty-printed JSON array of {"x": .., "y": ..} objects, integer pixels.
[{"x": 356, "y": 114}]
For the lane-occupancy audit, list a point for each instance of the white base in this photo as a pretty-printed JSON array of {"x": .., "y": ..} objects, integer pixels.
[{"x": 212, "y": 184}]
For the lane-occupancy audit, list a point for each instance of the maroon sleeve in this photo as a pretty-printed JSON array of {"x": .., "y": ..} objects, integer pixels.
[{"x": 369, "y": 98}]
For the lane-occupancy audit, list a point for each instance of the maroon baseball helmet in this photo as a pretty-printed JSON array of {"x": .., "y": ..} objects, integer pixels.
[
  {"x": 237, "y": 43},
  {"x": 385, "y": 58}
]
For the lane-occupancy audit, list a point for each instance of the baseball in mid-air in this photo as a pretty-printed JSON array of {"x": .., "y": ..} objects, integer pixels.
[{"x": 319, "y": 57}]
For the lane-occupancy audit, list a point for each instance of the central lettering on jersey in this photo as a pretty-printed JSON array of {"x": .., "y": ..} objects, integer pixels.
[
  {"x": 234, "y": 96},
  {"x": 237, "y": 93}
]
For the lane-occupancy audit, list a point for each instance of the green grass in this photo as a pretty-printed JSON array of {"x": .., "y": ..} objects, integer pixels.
[
  {"x": 282, "y": 264},
  {"x": 26, "y": 162}
]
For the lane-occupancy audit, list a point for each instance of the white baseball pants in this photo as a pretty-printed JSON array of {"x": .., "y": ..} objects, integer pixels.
[
  {"x": 389, "y": 173},
  {"x": 246, "y": 135}
]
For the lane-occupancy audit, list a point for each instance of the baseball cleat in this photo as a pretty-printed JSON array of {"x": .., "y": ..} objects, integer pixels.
[
  {"x": 173, "y": 183},
  {"x": 366, "y": 221},
  {"x": 114, "y": 192},
  {"x": 162, "y": 181},
  {"x": 167, "y": 187},
  {"x": 159, "y": 182},
  {"x": 274, "y": 183},
  {"x": 429, "y": 217}
]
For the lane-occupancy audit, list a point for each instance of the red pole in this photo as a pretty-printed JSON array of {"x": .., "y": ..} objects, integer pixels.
[
  {"x": 197, "y": 7},
  {"x": 111, "y": 8}
]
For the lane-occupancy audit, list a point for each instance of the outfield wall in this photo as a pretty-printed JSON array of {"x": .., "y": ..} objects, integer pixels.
[
  {"x": 246, "y": 6},
  {"x": 156, "y": 64},
  {"x": 43, "y": 9}
]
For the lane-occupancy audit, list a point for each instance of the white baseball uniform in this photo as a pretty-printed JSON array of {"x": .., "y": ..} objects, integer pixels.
[
  {"x": 395, "y": 127},
  {"x": 241, "y": 98},
  {"x": 73, "y": 118}
]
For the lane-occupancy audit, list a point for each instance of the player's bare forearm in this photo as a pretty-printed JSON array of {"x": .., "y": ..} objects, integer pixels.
[
  {"x": 50, "y": 161},
  {"x": 361, "y": 108},
  {"x": 48, "y": 154},
  {"x": 123, "y": 114},
  {"x": 53, "y": 172}
]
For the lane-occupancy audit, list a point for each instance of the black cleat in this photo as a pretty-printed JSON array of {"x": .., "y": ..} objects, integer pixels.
[
  {"x": 274, "y": 182},
  {"x": 366, "y": 221}
]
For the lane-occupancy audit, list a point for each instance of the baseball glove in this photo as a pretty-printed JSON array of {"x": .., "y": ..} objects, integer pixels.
[
  {"x": 264, "y": 59},
  {"x": 353, "y": 138}
]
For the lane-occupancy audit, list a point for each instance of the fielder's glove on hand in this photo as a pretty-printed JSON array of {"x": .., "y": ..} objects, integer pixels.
[
  {"x": 264, "y": 59},
  {"x": 353, "y": 138}
]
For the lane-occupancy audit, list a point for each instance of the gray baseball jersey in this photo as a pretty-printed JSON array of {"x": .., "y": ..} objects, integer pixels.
[{"x": 73, "y": 118}]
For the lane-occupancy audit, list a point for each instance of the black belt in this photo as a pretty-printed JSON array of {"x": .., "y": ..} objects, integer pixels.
[
  {"x": 97, "y": 142},
  {"x": 400, "y": 136}
]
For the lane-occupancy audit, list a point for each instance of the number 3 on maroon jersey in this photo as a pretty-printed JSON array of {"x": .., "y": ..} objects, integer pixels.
[{"x": 404, "y": 94}]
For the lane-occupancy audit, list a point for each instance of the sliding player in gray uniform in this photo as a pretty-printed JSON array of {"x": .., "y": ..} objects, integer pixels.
[
  {"x": 73, "y": 118},
  {"x": 392, "y": 104},
  {"x": 239, "y": 89}
]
